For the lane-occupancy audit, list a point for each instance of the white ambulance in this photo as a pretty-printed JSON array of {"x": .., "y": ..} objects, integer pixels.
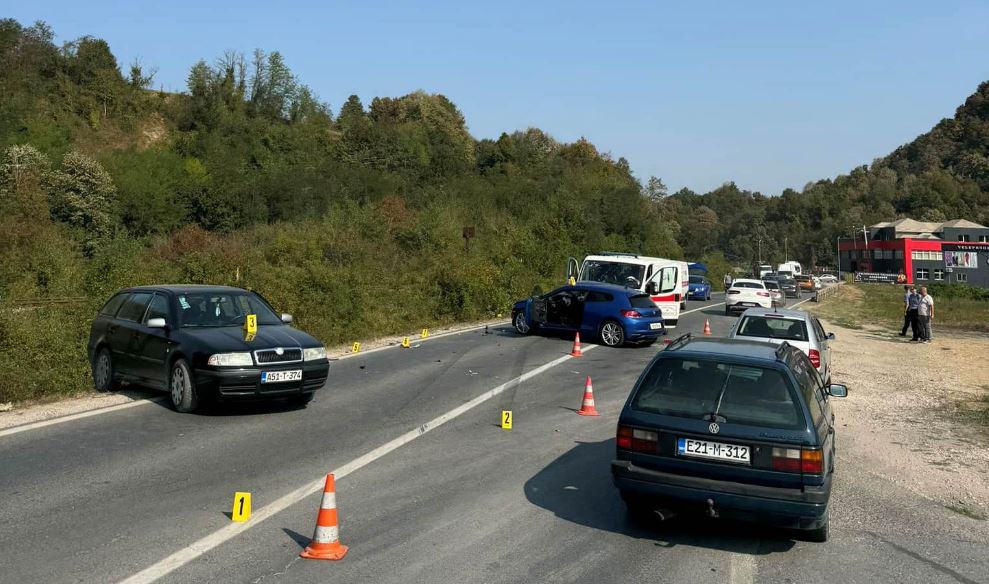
[{"x": 665, "y": 280}]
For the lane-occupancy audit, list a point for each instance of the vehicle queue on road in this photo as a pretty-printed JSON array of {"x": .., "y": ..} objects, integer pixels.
[{"x": 738, "y": 427}]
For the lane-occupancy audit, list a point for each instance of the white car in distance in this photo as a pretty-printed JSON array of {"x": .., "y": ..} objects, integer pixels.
[{"x": 745, "y": 294}]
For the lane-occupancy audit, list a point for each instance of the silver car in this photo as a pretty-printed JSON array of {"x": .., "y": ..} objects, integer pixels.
[{"x": 800, "y": 329}]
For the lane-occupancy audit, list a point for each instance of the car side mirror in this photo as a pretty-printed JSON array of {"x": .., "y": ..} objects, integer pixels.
[
  {"x": 830, "y": 336},
  {"x": 837, "y": 390},
  {"x": 156, "y": 323},
  {"x": 652, "y": 288},
  {"x": 286, "y": 318}
]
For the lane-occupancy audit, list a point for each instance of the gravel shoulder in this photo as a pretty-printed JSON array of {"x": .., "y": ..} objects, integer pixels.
[{"x": 910, "y": 415}]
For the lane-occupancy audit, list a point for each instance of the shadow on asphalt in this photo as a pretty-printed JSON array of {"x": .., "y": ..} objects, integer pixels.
[
  {"x": 577, "y": 487},
  {"x": 301, "y": 540}
]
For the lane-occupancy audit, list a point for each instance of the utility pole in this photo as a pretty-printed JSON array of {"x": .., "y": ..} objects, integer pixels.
[{"x": 786, "y": 254}]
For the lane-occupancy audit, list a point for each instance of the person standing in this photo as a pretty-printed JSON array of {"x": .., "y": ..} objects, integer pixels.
[
  {"x": 727, "y": 281},
  {"x": 907, "y": 290},
  {"x": 925, "y": 314}
]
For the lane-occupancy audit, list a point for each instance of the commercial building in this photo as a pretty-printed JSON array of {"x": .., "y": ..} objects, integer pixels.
[{"x": 922, "y": 252}]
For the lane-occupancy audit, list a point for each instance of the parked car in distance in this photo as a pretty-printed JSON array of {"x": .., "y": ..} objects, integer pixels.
[
  {"x": 828, "y": 279},
  {"x": 796, "y": 327},
  {"x": 731, "y": 428},
  {"x": 775, "y": 293},
  {"x": 744, "y": 293},
  {"x": 190, "y": 341},
  {"x": 699, "y": 288},
  {"x": 613, "y": 314}
]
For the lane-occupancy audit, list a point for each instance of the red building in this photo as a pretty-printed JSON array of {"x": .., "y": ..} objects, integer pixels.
[{"x": 921, "y": 252}]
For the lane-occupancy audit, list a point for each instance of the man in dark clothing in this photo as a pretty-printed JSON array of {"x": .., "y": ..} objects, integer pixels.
[{"x": 911, "y": 302}]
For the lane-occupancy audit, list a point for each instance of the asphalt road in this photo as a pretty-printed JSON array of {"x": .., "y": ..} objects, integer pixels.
[{"x": 146, "y": 491}]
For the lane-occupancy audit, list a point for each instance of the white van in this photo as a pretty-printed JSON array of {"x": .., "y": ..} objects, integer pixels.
[
  {"x": 665, "y": 280},
  {"x": 791, "y": 266}
]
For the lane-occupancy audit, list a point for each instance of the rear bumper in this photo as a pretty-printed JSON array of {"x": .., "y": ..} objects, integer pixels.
[
  {"x": 797, "y": 508},
  {"x": 245, "y": 384},
  {"x": 639, "y": 329},
  {"x": 744, "y": 305}
]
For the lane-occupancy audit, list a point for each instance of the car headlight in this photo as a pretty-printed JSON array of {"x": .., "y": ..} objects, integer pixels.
[
  {"x": 314, "y": 353},
  {"x": 231, "y": 360}
]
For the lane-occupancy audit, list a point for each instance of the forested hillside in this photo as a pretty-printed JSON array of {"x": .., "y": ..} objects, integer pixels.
[
  {"x": 351, "y": 219},
  {"x": 942, "y": 175}
]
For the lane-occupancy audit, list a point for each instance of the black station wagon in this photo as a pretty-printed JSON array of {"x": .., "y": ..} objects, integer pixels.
[
  {"x": 191, "y": 341},
  {"x": 730, "y": 428}
]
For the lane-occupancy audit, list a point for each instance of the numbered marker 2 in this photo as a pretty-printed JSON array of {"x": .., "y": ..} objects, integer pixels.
[
  {"x": 506, "y": 419},
  {"x": 242, "y": 507}
]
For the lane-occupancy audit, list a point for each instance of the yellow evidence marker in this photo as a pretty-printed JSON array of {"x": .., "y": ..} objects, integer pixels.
[
  {"x": 251, "y": 324},
  {"x": 405, "y": 343},
  {"x": 242, "y": 507},
  {"x": 425, "y": 334},
  {"x": 356, "y": 348},
  {"x": 506, "y": 419},
  {"x": 572, "y": 281}
]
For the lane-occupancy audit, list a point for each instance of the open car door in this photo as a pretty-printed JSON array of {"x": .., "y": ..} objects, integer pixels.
[
  {"x": 573, "y": 270},
  {"x": 662, "y": 289},
  {"x": 539, "y": 310}
]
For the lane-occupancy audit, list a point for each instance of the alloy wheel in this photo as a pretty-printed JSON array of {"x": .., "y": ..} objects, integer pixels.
[
  {"x": 521, "y": 323},
  {"x": 178, "y": 385},
  {"x": 611, "y": 334},
  {"x": 103, "y": 371}
]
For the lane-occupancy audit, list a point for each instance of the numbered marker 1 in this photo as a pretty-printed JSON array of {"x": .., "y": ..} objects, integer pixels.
[
  {"x": 506, "y": 419},
  {"x": 356, "y": 348},
  {"x": 242, "y": 507},
  {"x": 251, "y": 324}
]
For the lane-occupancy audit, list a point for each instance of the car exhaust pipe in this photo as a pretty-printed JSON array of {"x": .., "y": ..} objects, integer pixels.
[
  {"x": 664, "y": 514},
  {"x": 711, "y": 511}
]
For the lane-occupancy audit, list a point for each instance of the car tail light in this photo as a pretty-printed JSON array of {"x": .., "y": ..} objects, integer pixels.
[
  {"x": 811, "y": 461},
  {"x": 631, "y": 313},
  {"x": 806, "y": 460},
  {"x": 636, "y": 439},
  {"x": 734, "y": 292},
  {"x": 815, "y": 358},
  {"x": 766, "y": 294}
]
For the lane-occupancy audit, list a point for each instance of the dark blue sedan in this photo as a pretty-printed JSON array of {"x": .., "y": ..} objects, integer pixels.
[
  {"x": 613, "y": 314},
  {"x": 699, "y": 288}
]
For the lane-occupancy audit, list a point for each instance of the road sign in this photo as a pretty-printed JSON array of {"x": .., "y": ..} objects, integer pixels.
[
  {"x": 506, "y": 419},
  {"x": 242, "y": 507}
]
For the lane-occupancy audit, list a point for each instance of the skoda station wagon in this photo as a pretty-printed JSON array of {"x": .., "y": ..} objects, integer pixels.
[{"x": 729, "y": 428}]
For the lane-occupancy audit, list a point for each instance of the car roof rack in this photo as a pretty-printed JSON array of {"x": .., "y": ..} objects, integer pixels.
[
  {"x": 781, "y": 350},
  {"x": 619, "y": 254},
  {"x": 678, "y": 341}
]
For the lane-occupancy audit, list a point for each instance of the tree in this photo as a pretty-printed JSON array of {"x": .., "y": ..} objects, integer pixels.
[
  {"x": 655, "y": 190},
  {"x": 82, "y": 194}
]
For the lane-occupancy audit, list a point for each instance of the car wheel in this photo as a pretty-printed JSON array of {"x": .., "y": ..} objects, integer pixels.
[
  {"x": 819, "y": 535},
  {"x": 103, "y": 372},
  {"x": 183, "y": 388},
  {"x": 612, "y": 334},
  {"x": 302, "y": 399},
  {"x": 521, "y": 324}
]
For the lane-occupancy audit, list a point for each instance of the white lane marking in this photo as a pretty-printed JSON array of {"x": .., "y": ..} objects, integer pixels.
[
  {"x": 701, "y": 308},
  {"x": 417, "y": 339},
  {"x": 140, "y": 402},
  {"x": 231, "y": 530},
  {"x": 78, "y": 416},
  {"x": 741, "y": 569}
]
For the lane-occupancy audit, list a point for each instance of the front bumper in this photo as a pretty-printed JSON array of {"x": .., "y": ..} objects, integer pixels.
[
  {"x": 804, "y": 508},
  {"x": 230, "y": 384},
  {"x": 699, "y": 294}
]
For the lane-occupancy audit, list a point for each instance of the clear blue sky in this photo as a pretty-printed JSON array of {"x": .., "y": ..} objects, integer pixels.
[{"x": 768, "y": 94}]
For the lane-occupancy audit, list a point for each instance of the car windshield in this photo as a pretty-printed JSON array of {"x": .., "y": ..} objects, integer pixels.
[
  {"x": 696, "y": 280},
  {"x": 612, "y": 273},
  {"x": 789, "y": 329},
  {"x": 214, "y": 309},
  {"x": 697, "y": 389}
]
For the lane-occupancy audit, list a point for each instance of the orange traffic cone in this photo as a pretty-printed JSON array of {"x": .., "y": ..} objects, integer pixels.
[
  {"x": 707, "y": 327},
  {"x": 587, "y": 406},
  {"x": 325, "y": 543},
  {"x": 576, "y": 346}
]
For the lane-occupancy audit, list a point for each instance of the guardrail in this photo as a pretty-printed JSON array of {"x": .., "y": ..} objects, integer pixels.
[{"x": 826, "y": 292}]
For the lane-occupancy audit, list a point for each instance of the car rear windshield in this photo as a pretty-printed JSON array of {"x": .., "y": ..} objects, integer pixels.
[
  {"x": 641, "y": 301},
  {"x": 741, "y": 394},
  {"x": 770, "y": 285},
  {"x": 758, "y": 285},
  {"x": 773, "y": 327},
  {"x": 212, "y": 309}
]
